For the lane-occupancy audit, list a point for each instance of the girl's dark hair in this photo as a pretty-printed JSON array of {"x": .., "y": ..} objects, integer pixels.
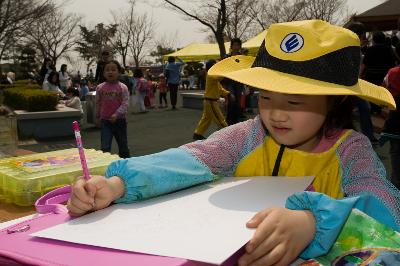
[
  {"x": 339, "y": 115},
  {"x": 62, "y": 68},
  {"x": 73, "y": 91},
  {"x": 50, "y": 77},
  {"x": 138, "y": 73},
  {"x": 116, "y": 63}
]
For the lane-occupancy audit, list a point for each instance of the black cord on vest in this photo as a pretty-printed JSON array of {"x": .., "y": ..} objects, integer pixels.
[{"x": 278, "y": 160}]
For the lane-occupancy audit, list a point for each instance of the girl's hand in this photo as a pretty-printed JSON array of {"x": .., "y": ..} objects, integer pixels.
[
  {"x": 280, "y": 236},
  {"x": 94, "y": 194},
  {"x": 113, "y": 118}
]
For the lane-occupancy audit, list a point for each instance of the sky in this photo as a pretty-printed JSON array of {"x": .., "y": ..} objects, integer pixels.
[{"x": 169, "y": 23}]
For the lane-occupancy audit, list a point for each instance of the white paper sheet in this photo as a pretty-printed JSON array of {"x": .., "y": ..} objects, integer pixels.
[{"x": 205, "y": 223}]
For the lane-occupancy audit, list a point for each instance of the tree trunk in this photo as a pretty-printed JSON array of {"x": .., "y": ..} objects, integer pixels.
[{"x": 221, "y": 44}]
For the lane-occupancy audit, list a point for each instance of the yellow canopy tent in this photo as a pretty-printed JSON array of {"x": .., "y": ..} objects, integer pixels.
[
  {"x": 206, "y": 51},
  {"x": 197, "y": 52}
]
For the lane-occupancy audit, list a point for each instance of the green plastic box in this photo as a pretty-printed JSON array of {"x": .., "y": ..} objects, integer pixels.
[{"x": 26, "y": 178}]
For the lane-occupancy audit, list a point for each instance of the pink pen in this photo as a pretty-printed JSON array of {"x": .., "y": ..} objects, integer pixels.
[{"x": 78, "y": 138}]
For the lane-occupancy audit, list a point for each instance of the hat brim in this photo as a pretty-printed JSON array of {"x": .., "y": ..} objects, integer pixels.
[{"x": 275, "y": 81}]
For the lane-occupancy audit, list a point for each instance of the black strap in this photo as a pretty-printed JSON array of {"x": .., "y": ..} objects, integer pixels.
[{"x": 278, "y": 160}]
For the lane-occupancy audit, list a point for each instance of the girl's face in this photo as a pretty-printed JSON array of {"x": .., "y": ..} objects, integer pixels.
[
  {"x": 111, "y": 72},
  {"x": 293, "y": 120}
]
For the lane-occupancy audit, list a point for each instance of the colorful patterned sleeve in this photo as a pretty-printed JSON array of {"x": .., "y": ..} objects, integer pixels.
[
  {"x": 363, "y": 174},
  {"x": 365, "y": 187},
  {"x": 223, "y": 150}
]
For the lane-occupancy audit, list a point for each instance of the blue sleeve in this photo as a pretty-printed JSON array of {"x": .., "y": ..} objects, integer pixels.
[
  {"x": 157, "y": 174},
  {"x": 331, "y": 214}
]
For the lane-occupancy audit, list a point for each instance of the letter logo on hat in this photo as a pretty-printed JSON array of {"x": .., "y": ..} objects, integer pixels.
[{"x": 292, "y": 43}]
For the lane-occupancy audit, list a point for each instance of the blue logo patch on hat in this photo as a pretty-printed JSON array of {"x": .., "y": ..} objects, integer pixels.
[{"x": 292, "y": 43}]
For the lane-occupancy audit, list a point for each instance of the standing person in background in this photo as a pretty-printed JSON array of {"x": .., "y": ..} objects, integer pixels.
[
  {"x": 45, "y": 69},
  {"x": 378, "y": 59},
  {"x": 112, "y": 101},
  {"x": 191, "y": 78},
  {"x": 163, "y": 88},
  {"x": 65, "y": 80},
  {"x": 84, "y": 89},
  {"x": 91, "y": 75},
  {"x": 364, "y": 107},
  {"x": 234, "y": 110},
  {"x": 392, "y": 124},
  {"x": 149, "y": 100},
  {"x": 211, "y": 105},
  {"x": 173, "y": 74},
  {"x": 105, "y": 57},
  {"x": 202, "y": 78},
  {"x": 141, "y": 89}
]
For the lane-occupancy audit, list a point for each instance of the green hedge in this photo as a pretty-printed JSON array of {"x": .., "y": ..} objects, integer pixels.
[{"x": 30, "y": 99}]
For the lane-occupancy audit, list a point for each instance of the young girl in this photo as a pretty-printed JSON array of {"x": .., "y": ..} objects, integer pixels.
[
  {"x": 306, "y": 72},
  {"x": 64, "y": 78},
  {"x": 51, "y": 84},
  {"x": 163, "y": 88},
  {"x": 112, "y": 100},
  {"x": 142, "y": 89},
  {"x": 73, "y": 99}
]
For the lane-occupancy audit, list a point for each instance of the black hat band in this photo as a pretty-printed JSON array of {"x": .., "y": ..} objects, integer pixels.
[{"x": 340, "y": 67}]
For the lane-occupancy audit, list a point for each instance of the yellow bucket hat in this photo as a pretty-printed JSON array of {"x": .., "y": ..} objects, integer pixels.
[{"x": 310, "y": 57}]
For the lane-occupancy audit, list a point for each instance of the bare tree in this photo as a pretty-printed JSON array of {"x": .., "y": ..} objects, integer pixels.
[
  {"x": 16, "y": 15},
  {"x": 163, "y": 45},
  {"x": 275, "y": 11},
  {"x": 142, "y": 31},
  {"x": 328, "y": 10},
  {"x": 239, "y": 22},
  {"x": 55, "y": 34},
  {"x": 210, "y": 13},
  {"x": 123, "y": 35}
]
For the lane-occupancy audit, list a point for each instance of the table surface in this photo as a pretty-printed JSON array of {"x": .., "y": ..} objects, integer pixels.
[{"x": 11, "y": 211}]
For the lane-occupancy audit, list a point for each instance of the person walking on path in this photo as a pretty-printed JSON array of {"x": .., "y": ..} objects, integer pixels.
[
  {"x": 173, "y": 74},
  {"x": 112, "y": 101},
  {"x": 211, "y": 105}
]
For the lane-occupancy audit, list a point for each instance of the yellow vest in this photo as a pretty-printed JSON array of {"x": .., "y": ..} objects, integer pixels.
[{"x": 325, "y": 166}]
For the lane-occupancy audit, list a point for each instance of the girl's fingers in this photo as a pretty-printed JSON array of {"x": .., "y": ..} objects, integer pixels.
[
  {"x": 272, "y": 258},
  {"x": 79, "y": 192},
  {"x": 74, "y": 210},
  {"x": 90, "y": 188},
  {"x": 264, "y": 248},
  {"x": 258, "y": 218},
  {"x": 264, "y": 229}
]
